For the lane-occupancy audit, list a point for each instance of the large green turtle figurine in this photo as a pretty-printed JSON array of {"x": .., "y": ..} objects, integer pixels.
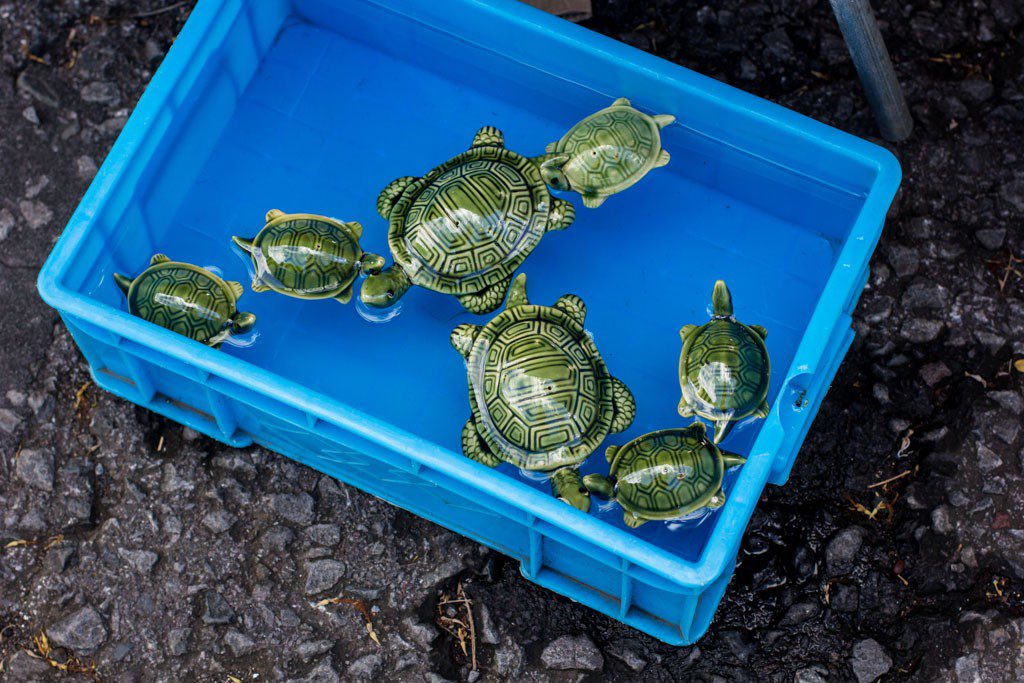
[
  {"x": 186, "y": 299},
  {"x": 308, "y": 256},
  {"x": 542, "y": 397},
  {"x": 465, "y": 226},
  {"x": 724, "y": 368},
  {"x": 664, "y": 475},
  {"x": 606, "y": 152}
]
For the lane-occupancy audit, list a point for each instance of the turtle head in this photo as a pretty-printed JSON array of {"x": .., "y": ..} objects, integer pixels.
[
  {"x": 242, "y": 323},
  {"x": 383, "y": 289},
  {"x": 600, "y": 485},
  {"x": 371, "y": 264},
  {"x": 721, "y": 300},
  {"x": 552, "y": 170}
]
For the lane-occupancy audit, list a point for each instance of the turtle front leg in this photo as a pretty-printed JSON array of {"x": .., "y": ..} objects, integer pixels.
[
  {"x": 600, "y": 485},
  {"x": 485, "y": 300},
  {"x": 562, "y": 214},
  {"x": 625, "y": 406},
  {"x": 474, "y": 448},
  {"x": 567, "y": 486}
]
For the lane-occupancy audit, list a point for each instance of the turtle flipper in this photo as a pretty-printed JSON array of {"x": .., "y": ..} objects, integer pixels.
[
  {"x": 760, "y": 331},
  {"x": 274, "y": 214},
  {"x": 568, "y": 488},
  {"x": 345, "y": 295},
  {"x": 243, "y": 243},
  {"x": 610, "y": 452},
  {"x": 592, "y": 201},
  {"x": 762, "y": 410},
  {"x": 242, "y": 323},
  {"x": 622, "y": 102},
  {"x": 716, "y": 501},
  {"x": 474, "y": 448},
  {"x": 551, "y": 148},
  {"x": 574, "y": 306},
  {"x": 732, "y": 459},
  {"x": 462, "y": 338},
  {"x": 624, "y": 404},
  {"x": 685, "y": 410},
  {"x": 235, "y": 288},
  {"x": 485, "y": 300},
  {"x": 390, "y": 194},
  {"x": 663, "y": 119},
  {"x": 562, "y": 214},
  {"x": 663, "y": 158},
  {"x": 258, "y": 286},
  {"x": 686, "y": 331},
  {"x": 489, "y": 136},
  {"x": 123, "y": 282},
  {"x": 599, "y": 485},
  {"x": 159, "y": 258},
  {"x": 632, "y": 520},
  {"x": 356, "y": 227}
]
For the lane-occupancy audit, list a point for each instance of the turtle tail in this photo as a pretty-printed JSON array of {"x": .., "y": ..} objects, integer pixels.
[
  {"x": 721, "y": 300},
  {"x": 390, "y": 194}
]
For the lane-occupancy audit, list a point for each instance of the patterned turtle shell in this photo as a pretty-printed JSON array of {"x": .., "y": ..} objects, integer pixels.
[
  {"x": 308, "y": 256},
  {"x": 465, "y": 226},
  {"x": 667, "y": 474},
  {"x": 724, "y": 368},
  {"x": 186, "y": 299},
  {"x": 541, "y": 395},
  {"x": 607, "y": 152}
]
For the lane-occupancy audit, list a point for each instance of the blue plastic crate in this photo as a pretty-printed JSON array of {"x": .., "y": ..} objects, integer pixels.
[{"x": 313, "y": 105}]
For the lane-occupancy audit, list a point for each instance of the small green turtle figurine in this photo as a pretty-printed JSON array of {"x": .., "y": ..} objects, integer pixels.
[
  {"x": 664, "y": 475},
  {"x": 308, "y": 256},
  {"x": 466, "y": 226},
  {"x": 542, "y": 397},
  {"x": 186, "y": 299},
  {"x": 606, "y": 152},
  {"x": 724, "y": 368}
]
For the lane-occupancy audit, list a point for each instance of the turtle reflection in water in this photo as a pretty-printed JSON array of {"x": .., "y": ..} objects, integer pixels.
[
  {"x": 542, "y": 397},
  {"x": 664, "y": 475}
]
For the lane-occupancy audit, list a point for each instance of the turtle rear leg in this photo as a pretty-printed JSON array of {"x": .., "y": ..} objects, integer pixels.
[
  {"x": 345, "y": 295},
  {"x": 567, "y": 486},
  {"x": 474, "y": 448},
  {"x": 625, "y": 406},
  {"x": 489, "y": 136},
  {"x": 485, "y": 300}
]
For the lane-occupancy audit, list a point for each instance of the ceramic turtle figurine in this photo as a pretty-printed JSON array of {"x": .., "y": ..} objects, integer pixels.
[
  {"x": 542, "y": 397},
  {"x": 465, "y": 226},
  {"x": 606, "y": 152},
  {"x": 724, "y": 368},
  {"x": 308, "y": 256},
  {"x": 664, "y": 475},
  {"x": 186, "y": 299}
]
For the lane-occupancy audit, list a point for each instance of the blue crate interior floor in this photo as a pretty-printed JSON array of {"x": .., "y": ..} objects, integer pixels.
[{"x": 327, "y": 121}]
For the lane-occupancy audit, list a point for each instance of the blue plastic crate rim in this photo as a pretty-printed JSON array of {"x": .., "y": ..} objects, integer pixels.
[{"x": 504, "y": 28}]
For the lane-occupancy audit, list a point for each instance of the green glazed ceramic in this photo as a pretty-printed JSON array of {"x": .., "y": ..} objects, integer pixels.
[
  {"x": 186, "y": 299},
  {"x": 606, "y": 152},
  {"x": 465, "y": 226},
  {"x": 542, "y": 397},
  {"x": 724, "y": 368},
  {"x": 664, "y": 475},
  {"x": 308, "y": 256}
]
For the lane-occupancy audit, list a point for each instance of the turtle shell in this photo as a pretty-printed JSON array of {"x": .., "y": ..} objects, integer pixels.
[
  {"x": 185, "y": 299},
  {"x": 307, "y": 256},
  {"x": 470, "y": 222},
  {"x": 668, "y": 474},
  {"x": 541, "y": 394},
  {"x": 725, "y": 365},
  {"x": 610, "y": 149}
]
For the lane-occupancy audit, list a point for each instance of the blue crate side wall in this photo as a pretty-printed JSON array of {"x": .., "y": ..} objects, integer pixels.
[{"x": 549, "y": 556}]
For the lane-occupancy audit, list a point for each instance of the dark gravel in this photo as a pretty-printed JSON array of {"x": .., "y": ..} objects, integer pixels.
[{"x": 166, "y": 556}]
